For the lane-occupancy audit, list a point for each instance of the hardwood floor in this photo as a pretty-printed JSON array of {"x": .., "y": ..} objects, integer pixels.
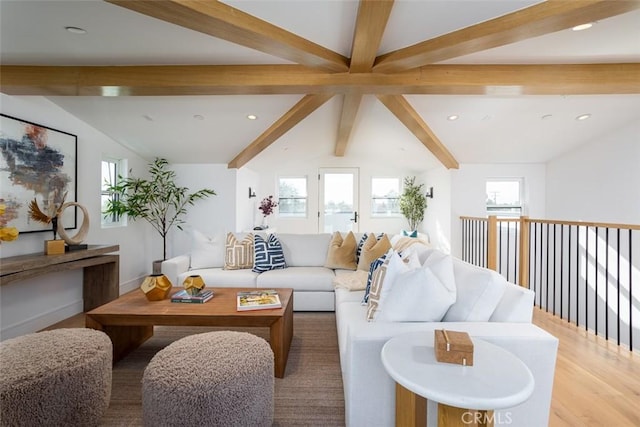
[{"x": 596, "y": 382}]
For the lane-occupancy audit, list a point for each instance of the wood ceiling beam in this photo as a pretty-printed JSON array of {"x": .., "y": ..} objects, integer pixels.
[
  {"x": 350, "y": 107},
  {"x": 540, "y": 19},
  {"x": 291, "y": 118},
  {"x": 370, "y": 24},
  {"x": 401, "y": 108},
  {"x": 578, "y": 79},
  {"x": 227, "y": 23}
]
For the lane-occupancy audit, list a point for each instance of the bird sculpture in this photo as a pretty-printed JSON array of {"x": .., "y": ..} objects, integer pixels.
[{"x": 51, "y": 217}]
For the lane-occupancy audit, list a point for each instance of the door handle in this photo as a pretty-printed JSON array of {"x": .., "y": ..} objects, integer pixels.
[{"x": 355, "y": 217}]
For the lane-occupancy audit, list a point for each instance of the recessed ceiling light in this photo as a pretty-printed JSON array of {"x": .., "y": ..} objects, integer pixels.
[
  {"x": 453, "y": 117},
  {"x": 547, "y": 116},
  {"x": 583, "y": 26},
  {"x": 252, "y": 117},
  {"x": 198, "y": 117},
  {"x": 583, "y": 117},
  {"x": 76, "y": 30},
  {"x": 148, "y": 117}
]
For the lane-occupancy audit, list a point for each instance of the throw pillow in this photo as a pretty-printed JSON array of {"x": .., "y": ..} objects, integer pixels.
[
  {"x": 380, "y": 287},
  {"x": 268, "y": 254},
  {"x": 207, "y": 251},
  {"x": 342, "y": 252},
  {"x": 373, "y": 249},
  {"x": 238, "y": 254},
  {"x": 413, "y": 233},
  {"x": 417, "y": 296},
  {"x": 372, "y": 269},
  {"x": 361, "y": 242},
  {"x": 479, "y": 292}
]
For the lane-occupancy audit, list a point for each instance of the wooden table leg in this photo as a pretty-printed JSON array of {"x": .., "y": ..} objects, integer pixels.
[
  {"x": 450, "y": 416},
  {"x": 281, "y": 334},
  {"x": 411, "y": 409},
  {"x": 124, "y": 338}
]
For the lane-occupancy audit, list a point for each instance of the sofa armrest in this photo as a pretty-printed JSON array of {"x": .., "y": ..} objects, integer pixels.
[{"x": 175, "y": 266}]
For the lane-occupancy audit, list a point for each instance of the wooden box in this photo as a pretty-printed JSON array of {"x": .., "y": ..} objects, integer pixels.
[
  {"x": 54, "y": 247},
  {"x": 453, "y": 347}
]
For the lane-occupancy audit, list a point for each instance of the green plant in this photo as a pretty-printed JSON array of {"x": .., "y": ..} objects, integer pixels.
[
  {"x": 413, "y": 202},
  {"x": 157, "y": 200}
]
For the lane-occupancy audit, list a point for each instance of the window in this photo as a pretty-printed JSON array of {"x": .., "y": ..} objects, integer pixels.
[
  {"x": 505, "y": 197},
  {"x": 111, "y": 168},
  {"x": 292, "y": 195},
  {"x": 385, "y": 196}
]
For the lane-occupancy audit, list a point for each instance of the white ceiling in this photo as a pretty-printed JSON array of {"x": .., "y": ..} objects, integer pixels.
[{"x": 491, "y": 128}]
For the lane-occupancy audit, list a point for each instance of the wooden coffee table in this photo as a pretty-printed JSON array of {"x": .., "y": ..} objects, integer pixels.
[{"x": 129, "y": 320}]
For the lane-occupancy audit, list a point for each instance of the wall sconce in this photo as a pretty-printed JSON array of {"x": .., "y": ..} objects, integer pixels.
[
  {"x": 430, "y": 193},
  {"x": 251, "y": 193}
]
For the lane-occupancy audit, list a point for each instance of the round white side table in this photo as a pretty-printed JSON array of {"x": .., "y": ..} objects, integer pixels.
[{"x": 465, "y": 394}]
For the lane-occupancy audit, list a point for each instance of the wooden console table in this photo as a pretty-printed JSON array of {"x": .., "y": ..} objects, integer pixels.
[{"x": 101, "y": 271}]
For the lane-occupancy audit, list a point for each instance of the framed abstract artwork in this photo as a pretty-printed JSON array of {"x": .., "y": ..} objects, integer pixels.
[{"x": 36, "y": 162}]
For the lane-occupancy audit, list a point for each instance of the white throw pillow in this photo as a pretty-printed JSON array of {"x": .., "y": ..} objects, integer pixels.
[
  {"x": 207, "y": 251},
  {"x": 479, "y": 292},
  {"x": 417, "y": 296},
  {"x": 393, "y": 268}
]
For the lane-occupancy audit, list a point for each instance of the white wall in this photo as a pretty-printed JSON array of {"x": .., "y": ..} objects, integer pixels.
[
  {"x": 599, "y": 182},
  {"x": 33, "y": 304},
  {"x": 437, "y": 219},
  {"x": 468, "y": 192}
]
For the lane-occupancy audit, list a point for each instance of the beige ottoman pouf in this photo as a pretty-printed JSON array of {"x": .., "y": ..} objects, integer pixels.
[
  {"x": 211, "y": 379},
  {"x": 55, "y": 378}
]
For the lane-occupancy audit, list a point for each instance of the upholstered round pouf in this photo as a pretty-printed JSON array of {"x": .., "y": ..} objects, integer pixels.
[
  {"x": 55, "y": 378},
  {"x": 210, "y": 379}
]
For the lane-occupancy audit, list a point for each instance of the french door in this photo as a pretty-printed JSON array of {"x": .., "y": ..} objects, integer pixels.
[{"x": 338, "y": 200}]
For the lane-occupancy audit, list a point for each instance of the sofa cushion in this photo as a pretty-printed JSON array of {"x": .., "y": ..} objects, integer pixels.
[
  {"x": 305, "y": 250},
  {"x": 267, "y": 254},
  {"x": 238, "y": 253},
  {"x": 372, "y": 249},
  {"x": 479, "y": 292},
  {"x": 207, "y": 251},
  {"x": 219, "y": 277},
  {"x": 417, "y": 295},
  {"x": 298, "y": 278},
  {"x": 516, "y": 305},
  {"x": 342, "y": 252}
]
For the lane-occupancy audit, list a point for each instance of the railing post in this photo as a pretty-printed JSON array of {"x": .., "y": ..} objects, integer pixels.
[
  {"x": 492, "y": 243},
  {"x": 523, "y": 252}
]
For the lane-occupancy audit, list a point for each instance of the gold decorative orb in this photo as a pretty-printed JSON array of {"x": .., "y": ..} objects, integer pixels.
[
  {"x": 193, "y": 284},
  {"x": 156, "y": 287}
]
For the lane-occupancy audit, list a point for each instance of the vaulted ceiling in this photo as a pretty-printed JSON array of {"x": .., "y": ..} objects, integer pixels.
[{"x": 145, "y": 68}]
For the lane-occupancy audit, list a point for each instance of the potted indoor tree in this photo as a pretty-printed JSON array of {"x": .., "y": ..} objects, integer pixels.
[
  {"x": 413, "y": 203},
  {"x": 158, "y": 200}
]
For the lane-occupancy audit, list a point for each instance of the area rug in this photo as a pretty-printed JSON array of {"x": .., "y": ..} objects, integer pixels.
[{"x": 310, "y": 394}]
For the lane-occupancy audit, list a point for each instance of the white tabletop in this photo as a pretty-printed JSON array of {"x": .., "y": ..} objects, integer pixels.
[{"x": 497, "y": 379}]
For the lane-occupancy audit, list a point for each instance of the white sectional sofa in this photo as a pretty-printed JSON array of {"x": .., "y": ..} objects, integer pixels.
[
  {"x": 368, "y": 390},
  {"x": 305, "y": 255}
]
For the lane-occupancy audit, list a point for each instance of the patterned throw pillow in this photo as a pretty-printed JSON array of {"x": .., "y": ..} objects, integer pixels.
[
  {"x": 342, "y": 252},
  {"x": 373, "y": 267},
  {"x": 238, "y": 254},
  {"x": 363, "y": 239},
  {"x": 268, "y": 254},
  {"x": 372, "y": 249}
]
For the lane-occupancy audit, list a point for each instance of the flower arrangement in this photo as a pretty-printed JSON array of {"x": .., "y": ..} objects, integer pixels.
[
  {"x": 7, "y": 234},
  {"x": 267, "y": 205}
]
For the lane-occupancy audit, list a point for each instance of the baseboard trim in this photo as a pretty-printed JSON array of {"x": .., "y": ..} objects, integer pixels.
[{"x": 42, "y": 320}]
